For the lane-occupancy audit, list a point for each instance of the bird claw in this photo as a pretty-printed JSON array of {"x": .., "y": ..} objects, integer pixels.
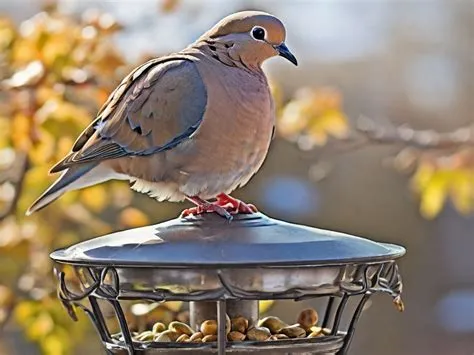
[
  {"x": 225, "y": 206},
  {"x": 211, "y": 208},
  {"x": 234, "y": 205}
]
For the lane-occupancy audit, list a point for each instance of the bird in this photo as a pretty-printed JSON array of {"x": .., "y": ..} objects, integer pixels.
[{"x": 193, "y": 125}]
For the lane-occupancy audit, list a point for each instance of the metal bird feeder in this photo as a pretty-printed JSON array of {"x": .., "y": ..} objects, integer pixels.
[{"x": 222, "y": 269}]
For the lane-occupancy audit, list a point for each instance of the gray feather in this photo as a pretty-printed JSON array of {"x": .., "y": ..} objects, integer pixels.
[{"x": 60, "y": 186}]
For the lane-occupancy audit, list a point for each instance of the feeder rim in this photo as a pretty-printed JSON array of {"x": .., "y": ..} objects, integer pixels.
[{"x": 397, "y": 252}]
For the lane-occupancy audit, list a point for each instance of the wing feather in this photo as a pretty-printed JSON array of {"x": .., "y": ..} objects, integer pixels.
[{"x": 155, "y": 108}]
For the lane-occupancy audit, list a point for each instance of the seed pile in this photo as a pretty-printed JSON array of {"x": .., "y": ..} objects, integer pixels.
[{"x": 237, "y": 329}]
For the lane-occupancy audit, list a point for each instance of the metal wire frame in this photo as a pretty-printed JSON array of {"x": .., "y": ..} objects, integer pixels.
[{"x": 105, "y": 285}]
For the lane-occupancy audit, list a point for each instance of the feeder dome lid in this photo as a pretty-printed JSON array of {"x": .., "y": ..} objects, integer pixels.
[{"x": 211, "y": 241}]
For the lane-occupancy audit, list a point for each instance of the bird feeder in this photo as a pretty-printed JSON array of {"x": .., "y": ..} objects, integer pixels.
[{"x": 222, "y": 269}]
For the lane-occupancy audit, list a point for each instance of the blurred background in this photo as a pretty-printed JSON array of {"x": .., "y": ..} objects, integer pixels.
[{"x": 375, "y": 138}]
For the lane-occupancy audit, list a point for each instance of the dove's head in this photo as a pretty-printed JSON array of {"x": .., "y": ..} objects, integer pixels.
[{"x": 250, "y": 37}]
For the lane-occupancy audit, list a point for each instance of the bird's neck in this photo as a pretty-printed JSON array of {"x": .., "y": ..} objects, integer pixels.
[{"x": 222, "y": 52}]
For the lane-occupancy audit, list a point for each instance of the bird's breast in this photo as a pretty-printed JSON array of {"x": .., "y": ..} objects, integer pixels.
[
  {"x": 233, "y": 138},
  {"x": 239, "y": 117}
]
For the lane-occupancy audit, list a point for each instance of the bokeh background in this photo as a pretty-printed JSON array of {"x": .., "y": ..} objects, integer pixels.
[{"x": 375, "y": 138}]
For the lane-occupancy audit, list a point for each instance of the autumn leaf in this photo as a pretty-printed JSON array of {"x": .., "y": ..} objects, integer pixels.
[
  {"x": 44, "y": 150},
  {"x": 168, "y": 6},
  {"x": 25, "y": 311},
  {"x": 7, "y": 34},
  {"x": 314, "y": 114},
  {"x": 54, "y": 345},
  {"x": 264, "y": 306},
  {"x": 94, "y": 197},
  {"x": 132, "y": 218},
  {"x": 21, "y": 129},
  {"x": 437, "y": 180},
  {"x": 40, "y": 326},
  {"x": 434, "y": 195},
  {"x": 462, "y": 190}
]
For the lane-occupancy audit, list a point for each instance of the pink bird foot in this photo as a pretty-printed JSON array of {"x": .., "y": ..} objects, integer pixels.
[
  {"x": 203, "y": 206},
  {"x": 234, "y": 205}
]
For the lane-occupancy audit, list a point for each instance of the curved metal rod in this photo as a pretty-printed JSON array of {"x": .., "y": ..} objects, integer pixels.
[
  {"x": 112, "y": 289},
  {"x": 225, "y": 284},
  {"x": 389, "y": 281},
  {"x": 93, "y": 318},
  {"x": 100, "y": 324},
  {"x": 71, "y": 296},
  {"x": 363, "y": 284},
  {"x": 338, "y": 315},
  {"x": 123, "y": 326},
  {"x": 352, "y": 325},
  {"x": 68, "y": 306},
  {"x": 327, "y": 313}
]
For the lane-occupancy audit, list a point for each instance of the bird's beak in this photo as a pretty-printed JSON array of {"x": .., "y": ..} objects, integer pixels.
[{"x": 283, "y": 51}]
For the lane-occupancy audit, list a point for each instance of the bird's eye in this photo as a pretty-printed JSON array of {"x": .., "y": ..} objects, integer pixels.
[{"x": 258, "y": 33}]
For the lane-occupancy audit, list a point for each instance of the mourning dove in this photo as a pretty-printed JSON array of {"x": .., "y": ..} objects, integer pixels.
[{"x": 193, "y": 125}]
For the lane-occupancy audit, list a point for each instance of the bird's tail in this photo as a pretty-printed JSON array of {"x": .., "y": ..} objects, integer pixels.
[{"x": 75, "y": 177}]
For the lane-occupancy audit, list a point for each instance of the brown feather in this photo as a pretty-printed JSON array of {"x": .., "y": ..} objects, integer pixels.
[{"x": 143, "y": 115}]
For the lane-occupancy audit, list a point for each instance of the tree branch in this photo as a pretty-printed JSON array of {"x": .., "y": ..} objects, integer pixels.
[{"x": 407, "y": 136}]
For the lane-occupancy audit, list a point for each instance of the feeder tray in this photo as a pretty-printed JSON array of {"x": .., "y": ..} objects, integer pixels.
[{"x": 224, "y": 268}]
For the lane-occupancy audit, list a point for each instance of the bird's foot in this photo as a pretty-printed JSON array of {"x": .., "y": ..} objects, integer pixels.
[
  {"x": 203, "y": 206},
  {"x": 234, "y": 205}
]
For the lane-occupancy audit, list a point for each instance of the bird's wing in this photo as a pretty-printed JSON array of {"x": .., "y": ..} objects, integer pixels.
[{"x": 157, "y": 106}]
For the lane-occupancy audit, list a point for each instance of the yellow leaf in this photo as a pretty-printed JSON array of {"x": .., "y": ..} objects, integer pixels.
[
  {"x": 434, "y": 194},
  {"x": 95, "y": 198},
  {"x": 462, "y": 190},
  {"x": 21, "y": 128},
  {"x": 265, "y": 305},
  {"x": 422, "y": 176},
  {"x": 69, "y": 198},
  {"x": 5, "y": 131},
  {"x": 292, "y": 120},
  {"x": 331, "y": 123},
  {"x": 53, "y": 345},
  {"x": 24, "y": 51},
  {"x": 44, "y": 150},
  {"x": 40, "y": 326},
  {"x": 315, "y": 113},
  {"x": 36, "y": 179},
  {"x": 45, "y": 93},
  {"x": 64, "y": 146},
  {"x": 57, "y": 109},
  {"x": 132, "y": 217},
  {"x": 7, "y": 33},
  {"x": 56, "y": 49},
  {"x": 25, "y": 311},
  {"x": 334, "y": 123}
]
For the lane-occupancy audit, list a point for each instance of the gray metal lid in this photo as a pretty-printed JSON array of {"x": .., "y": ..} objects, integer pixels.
[{"x": 209, "y": 240}]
